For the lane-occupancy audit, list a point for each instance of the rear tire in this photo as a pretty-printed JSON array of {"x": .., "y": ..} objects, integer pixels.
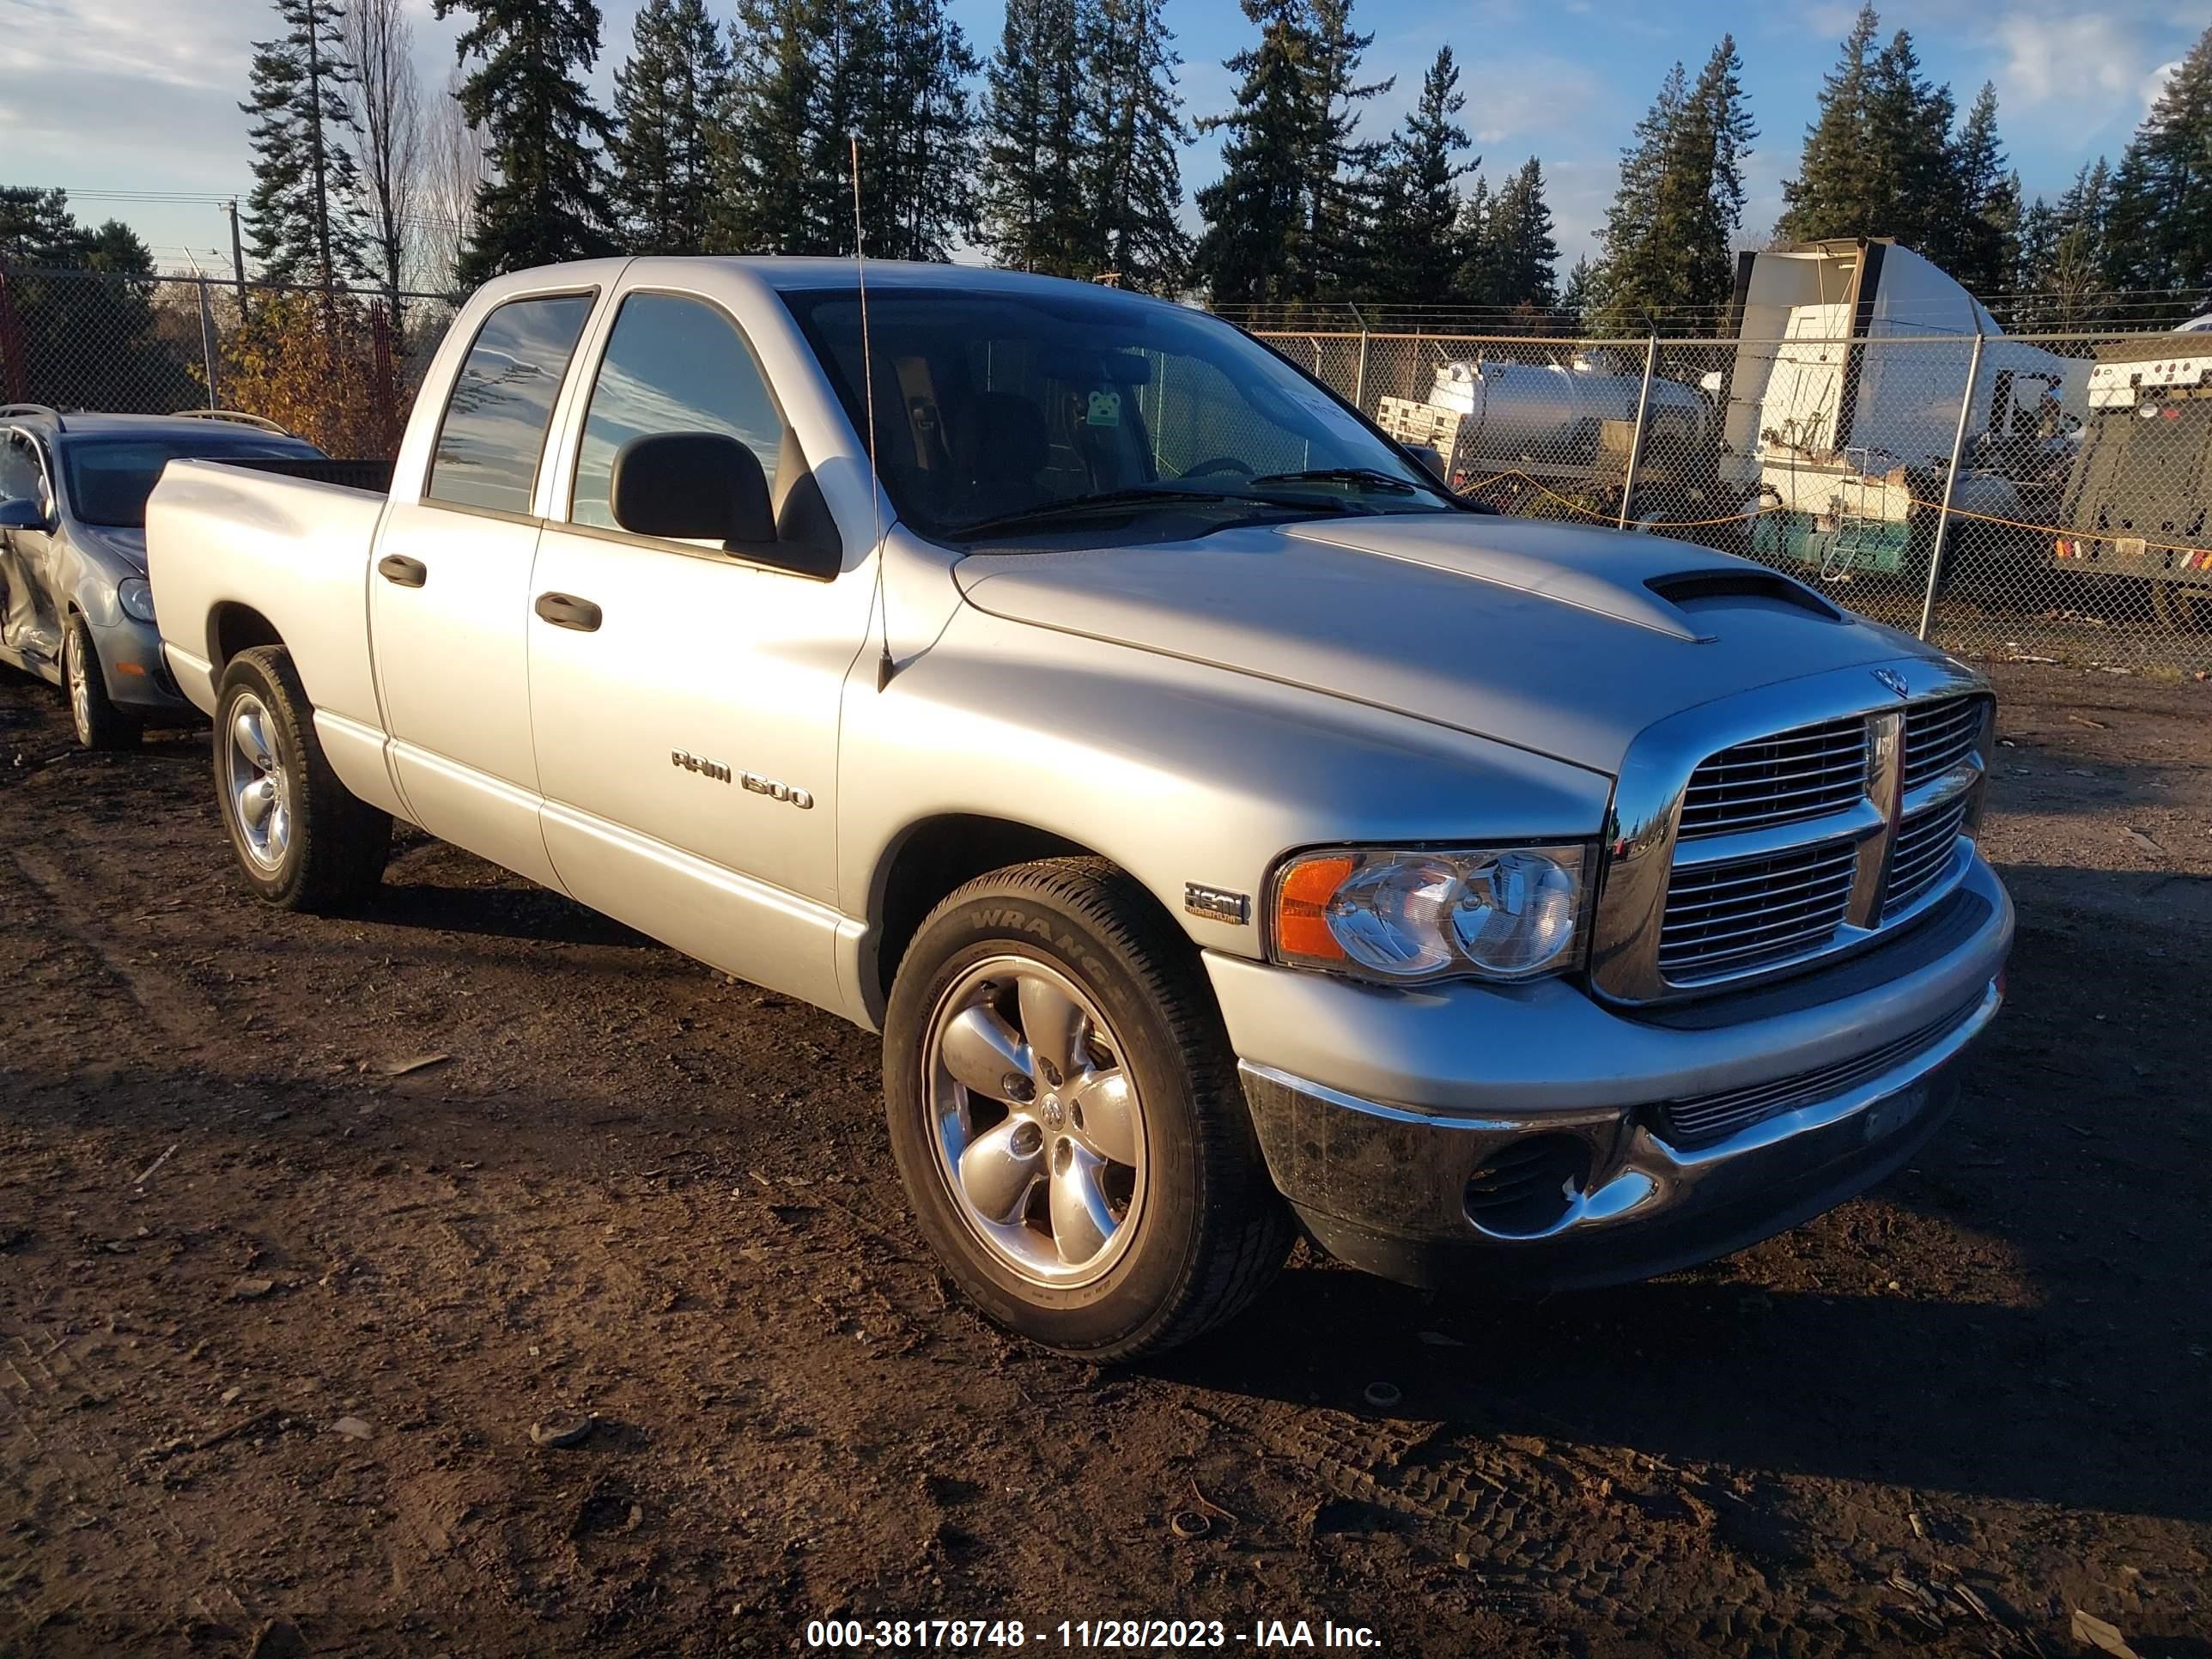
[
  {"x": 98, "y": 723},
  {"x": 303, "y": 841},
  {"x": 2181, "y": 607},
  {"x": 1053, "y": 987}
]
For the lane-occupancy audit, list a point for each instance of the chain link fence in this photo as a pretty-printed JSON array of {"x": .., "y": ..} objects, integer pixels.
[
  {"x": 2040, "y": 497},
  {"x": 340, "y": 368},
  {"x": 2043, "y": 496}
]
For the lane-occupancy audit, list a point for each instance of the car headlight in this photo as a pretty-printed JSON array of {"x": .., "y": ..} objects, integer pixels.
[
  {"x": 1393, "y": 915},
  {"x": 136, "y": 597}
]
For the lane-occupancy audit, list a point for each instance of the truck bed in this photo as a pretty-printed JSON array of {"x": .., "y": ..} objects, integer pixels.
[{"x": 241, "y": 550}]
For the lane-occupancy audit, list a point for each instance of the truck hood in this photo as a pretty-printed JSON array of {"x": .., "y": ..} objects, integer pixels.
[{"x": 1552, "y": 637}]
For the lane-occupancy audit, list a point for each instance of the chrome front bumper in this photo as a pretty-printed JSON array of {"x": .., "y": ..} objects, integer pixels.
[{"x": 1384, "y": 1183}]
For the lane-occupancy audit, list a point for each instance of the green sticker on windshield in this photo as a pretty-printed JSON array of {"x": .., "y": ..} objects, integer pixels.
[{"x": 1105, "y": 409}]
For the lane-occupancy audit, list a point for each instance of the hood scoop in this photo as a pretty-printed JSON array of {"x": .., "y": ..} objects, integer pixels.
[{"x": 1617, "y": 583}]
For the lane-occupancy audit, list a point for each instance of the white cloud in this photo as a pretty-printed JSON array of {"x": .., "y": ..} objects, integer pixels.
[
  {"x": 2065, "y": 57},
  {"x": 2154, "y": 84}
]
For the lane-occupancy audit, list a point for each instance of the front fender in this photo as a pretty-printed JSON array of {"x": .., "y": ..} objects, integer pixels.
[{"x": 1179, "y": 772}]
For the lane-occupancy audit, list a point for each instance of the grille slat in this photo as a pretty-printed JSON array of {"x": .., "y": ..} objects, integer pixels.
[
  {"x": 1792, "y": 776},
  {"x": 1921, "y": 854},
  {"x": 1720, "y": 915},
  {"x": 1939, "y": 735},
  {"x": 1700, "y": 1120}
]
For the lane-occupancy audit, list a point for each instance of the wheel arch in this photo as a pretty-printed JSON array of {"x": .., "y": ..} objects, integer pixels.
[
  {"x": 933, "y": 857},
  {"x": 235, "y": 626}
]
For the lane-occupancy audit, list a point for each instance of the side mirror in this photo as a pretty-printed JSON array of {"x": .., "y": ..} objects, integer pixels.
[
  {"x": 1431, "y": 460},
  {"x": 691, "y": 486},
  {"x": 24, "y": 515}
]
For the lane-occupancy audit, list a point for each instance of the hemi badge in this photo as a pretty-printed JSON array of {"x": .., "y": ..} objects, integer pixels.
[{"x": 1217, "y": 903}]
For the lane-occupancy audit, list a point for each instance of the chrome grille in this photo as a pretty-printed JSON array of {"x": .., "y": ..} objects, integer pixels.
[
  {"x": 1724, "y": 917},
  {"x": 1939, "y": 735},
  {"x": 1700, "y": 1120},
  {"x": 1921, "y": 854},
  {"x": 1778, "y": 780}
]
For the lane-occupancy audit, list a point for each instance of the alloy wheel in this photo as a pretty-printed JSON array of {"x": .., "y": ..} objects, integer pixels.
[
  {"x": 1039, "y": 1131},
  {"x": 258, "y": 784}
]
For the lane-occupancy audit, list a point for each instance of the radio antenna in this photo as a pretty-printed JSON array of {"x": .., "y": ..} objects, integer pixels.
[{"x": 883, "y": 668}]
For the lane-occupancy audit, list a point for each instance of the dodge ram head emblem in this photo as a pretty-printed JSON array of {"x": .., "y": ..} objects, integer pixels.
[{"x": 1895, "y": 681}]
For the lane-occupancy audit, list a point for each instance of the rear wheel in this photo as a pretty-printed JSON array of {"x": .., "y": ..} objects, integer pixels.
[
  {"x": 304, "y": 841},
  {"x": 1066, "y": 1118},
  {"x": 2182, "y": 608},
  {"x": 98, "y": 723}
]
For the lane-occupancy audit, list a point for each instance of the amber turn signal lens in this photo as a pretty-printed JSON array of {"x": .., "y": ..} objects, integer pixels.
[{"x": 1302, "y": 907}]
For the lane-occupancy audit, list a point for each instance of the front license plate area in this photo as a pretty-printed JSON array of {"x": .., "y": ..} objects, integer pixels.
[{"x": 1886, "y": 1117}]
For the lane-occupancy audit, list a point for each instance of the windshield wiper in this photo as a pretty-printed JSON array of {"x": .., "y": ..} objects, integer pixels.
[
  {"x": 1106, "y": 501},
  {"x": 1373, "y": 477}
]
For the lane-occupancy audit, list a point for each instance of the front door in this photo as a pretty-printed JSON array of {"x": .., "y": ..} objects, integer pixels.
[
  {"x": 29, "y": 625},
  {"x": 450, "y": 593},
  {"x": 684, "y": 700}
]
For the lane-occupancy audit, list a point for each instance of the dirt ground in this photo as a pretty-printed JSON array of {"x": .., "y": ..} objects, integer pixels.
[{"x": 277, "y": 1316}]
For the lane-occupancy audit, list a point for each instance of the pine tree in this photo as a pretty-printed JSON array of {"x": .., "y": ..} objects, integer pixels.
[
  {"x": 1523, "y": 258},
  {"x": 1679, "y": 201},
  {"x": 1830, "y": 195},
  {"x": 1909, "y": 154},
  {"x": 761, "y": 140},
  {"x": 1256, "y": 246},
  {"x": 2162, "y": 191},
  {"x": 1416, "y": 245},
  {"x": 667, "y": 98},
  {"x": 1475, "y": 278},
  {"x": 548, "y": 201},
  {"x": 1976, "y": 237},
  {"x": 920, "y": 128},
  {"x": 1035, "y": 143},
  {"x": 1341, "y": 166},
  {"x": 304, "y": 213},
  {"x": 1285, "y": 221},
  {"x": 1134, "y": 186}
]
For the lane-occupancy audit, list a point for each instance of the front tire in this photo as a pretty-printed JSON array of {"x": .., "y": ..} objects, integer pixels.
[
  {"x": 303, "y": 841},
  {"x": 1066, "y": 1119},
  {"x": 97, "y": 722}
]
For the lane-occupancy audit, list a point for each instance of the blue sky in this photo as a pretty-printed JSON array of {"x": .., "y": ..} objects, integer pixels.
[{"x": 139, "y": 96}]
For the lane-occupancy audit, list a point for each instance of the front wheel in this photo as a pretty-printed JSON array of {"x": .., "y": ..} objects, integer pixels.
[
  {"x": 304, "y": 841},
  {"x": 97, "y": 722},
  {"x": 1066, "y": 1119}
]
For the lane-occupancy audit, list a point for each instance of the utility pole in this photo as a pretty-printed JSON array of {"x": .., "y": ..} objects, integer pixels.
[{"x": 237, "y": 259}]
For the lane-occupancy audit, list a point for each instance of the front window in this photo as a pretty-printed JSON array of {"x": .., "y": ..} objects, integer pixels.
[
  {"x": 110, "y": 479},
  {"x": 1000, "y": 411}
]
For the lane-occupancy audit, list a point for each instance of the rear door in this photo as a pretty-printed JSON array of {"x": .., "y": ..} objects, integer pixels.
[
  {"x": 450, "y": 591},
  {"x": 686, "y": 699}
]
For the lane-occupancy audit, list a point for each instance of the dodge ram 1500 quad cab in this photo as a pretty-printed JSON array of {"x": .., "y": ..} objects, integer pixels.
[{"x": 1229, "y": 830}]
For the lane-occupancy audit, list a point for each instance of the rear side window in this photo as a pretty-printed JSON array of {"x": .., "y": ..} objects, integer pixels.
[
  {"x": 672, "y": 365},
  {"x": 494, "y": 431}
]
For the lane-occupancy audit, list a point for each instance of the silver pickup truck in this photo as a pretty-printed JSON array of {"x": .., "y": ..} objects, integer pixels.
[{"x": 1229, "y": 830}]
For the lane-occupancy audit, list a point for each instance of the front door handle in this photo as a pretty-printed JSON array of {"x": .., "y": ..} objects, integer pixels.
[
  {"x": 567, "y": 610},
  {"x": 399, "y": 569}
]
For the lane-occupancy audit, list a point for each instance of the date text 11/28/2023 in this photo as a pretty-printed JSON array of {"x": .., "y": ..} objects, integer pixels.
[{"x": 1101, "y": 1635}]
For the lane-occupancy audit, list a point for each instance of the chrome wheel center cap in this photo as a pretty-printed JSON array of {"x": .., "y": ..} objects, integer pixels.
[{"x": 1054, "y": 1114}]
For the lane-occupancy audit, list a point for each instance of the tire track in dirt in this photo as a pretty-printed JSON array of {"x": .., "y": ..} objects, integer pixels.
[{"x": 184, "y": 1016}]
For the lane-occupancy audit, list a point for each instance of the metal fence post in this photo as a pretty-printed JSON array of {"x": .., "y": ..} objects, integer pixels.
[
  {"x": 1359, "y": 371},
  {"x": 207, "y": 343},
  {"x": 1950, "y": 482},
  {"x": 1636, "y": 438}
]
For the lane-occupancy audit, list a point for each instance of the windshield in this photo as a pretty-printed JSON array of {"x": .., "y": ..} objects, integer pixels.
[
  {"x": 999, "y": 409},
  {"x": 110, "y": 479}
]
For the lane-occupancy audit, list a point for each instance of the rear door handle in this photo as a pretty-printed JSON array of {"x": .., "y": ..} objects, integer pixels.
[
  {"x": 567, "y": 610},
  {"x": 399, "y": 569}
]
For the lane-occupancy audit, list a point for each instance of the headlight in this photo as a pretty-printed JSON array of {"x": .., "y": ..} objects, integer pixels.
[
  {"x": 136, "y": 597},
  {"x": 1499, "y": 913}
]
